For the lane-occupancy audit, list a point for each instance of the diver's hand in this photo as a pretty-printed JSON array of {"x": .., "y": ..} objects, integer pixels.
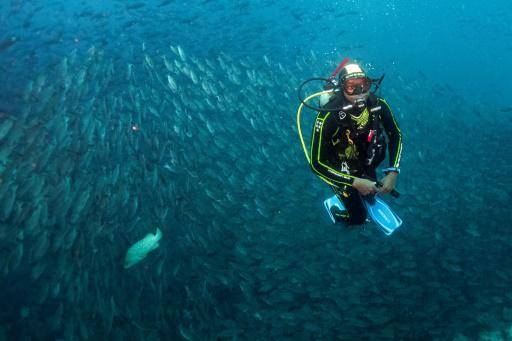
[
  {"x": 388, "y": 183},
  {"x": 365, "y": 187}
]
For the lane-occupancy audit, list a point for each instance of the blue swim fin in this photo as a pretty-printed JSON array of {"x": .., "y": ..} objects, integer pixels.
[
  {"x": 333, "y": 205},
  {"x": 381, "y": 214}
]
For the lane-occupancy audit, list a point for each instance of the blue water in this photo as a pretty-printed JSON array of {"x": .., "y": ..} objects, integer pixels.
[
  {"x": 247, "y": 252},
  {"x": 462, "y": 45}
]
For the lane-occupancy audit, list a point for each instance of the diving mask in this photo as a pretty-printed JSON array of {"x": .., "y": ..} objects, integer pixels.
[{"x": 357, "y": 86}]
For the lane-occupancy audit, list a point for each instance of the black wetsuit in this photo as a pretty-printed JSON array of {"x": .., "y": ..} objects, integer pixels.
[{"x": 340, "y": 145}]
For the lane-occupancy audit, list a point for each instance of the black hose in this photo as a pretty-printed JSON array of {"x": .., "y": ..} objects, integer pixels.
[{"x": 301, "y": 98}]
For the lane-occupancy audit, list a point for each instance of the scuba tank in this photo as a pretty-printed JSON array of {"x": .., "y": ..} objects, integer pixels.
[{"x": 332, "y": 83}]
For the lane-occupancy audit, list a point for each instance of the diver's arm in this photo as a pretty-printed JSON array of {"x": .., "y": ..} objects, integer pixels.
[
  {"x": 393, "y": 132},
  {"x": 319, "y": 152}
]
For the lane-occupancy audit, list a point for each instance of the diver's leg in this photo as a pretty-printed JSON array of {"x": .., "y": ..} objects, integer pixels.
[
  {"x": 369, "y": 174},
  {"x": 372, "y": 173},
  {"x": 355, "y": 213}
]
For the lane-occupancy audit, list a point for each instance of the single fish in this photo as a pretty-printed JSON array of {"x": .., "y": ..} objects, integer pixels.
[
  {"x": 136, "y": 5},
  {"x": 164, "y": 3},
  {"x": 140, "y": 249},
  {"x": 6, "y": 43}
]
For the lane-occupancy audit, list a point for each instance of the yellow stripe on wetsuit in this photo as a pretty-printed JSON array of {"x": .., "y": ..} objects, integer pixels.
[
  {"x": 398, "y": 156},
  {"x": 349, "y": 179}
]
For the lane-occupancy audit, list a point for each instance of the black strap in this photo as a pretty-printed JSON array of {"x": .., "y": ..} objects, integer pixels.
[{"x": 375, "y": 122}]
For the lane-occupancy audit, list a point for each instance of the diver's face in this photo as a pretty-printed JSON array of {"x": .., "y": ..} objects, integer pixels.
[{"x": 356, "y": 89}]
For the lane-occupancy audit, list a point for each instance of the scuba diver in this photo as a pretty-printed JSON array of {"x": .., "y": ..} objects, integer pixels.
[{"x": 348, "y": 143}]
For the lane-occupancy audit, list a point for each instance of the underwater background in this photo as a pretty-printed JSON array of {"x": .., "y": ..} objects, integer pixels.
[{"x": 121, "y": 117}]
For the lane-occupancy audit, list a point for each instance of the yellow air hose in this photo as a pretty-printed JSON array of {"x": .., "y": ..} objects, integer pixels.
[{"x": 299, "y": 111}]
